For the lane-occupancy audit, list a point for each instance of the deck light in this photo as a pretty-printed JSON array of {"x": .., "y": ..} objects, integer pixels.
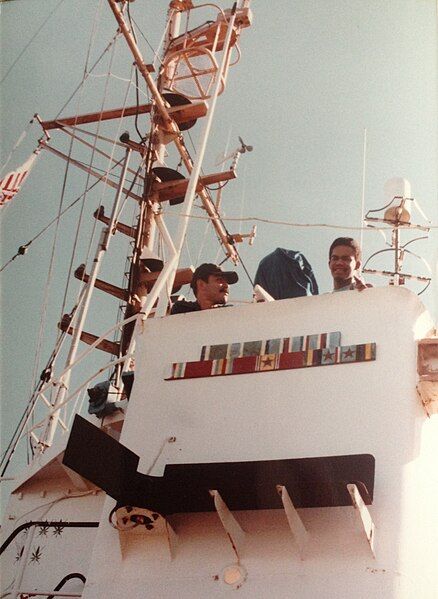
[{"x": 234, "y": 575}]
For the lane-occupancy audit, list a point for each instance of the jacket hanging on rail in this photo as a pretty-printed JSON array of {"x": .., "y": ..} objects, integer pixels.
[{"x": 286, "y": 273}]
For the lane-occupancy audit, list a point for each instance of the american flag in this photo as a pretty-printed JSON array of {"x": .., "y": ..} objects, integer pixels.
[{"x": 11, "y": 183}]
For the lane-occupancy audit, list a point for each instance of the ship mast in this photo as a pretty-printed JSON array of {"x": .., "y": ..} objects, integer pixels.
[
  {"x": 154, "y": 154},
  {"x": 150, "y": 280}
]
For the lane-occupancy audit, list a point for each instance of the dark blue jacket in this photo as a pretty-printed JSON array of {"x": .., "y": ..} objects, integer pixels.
[{"x": 286, "y": 273}]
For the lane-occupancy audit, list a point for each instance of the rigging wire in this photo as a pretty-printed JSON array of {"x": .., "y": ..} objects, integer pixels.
[
  {"x": 187, "y": 248},
  {"x": 28, "y": 410},
  {"x": 107, "y": 170},
  {"x": 289, "y": 223},
  {"x": 119, "y": 78},
  {"x": 23, "y": 248},
  {"x": 137, "y": 98},
  {"x": 243, "y": 265},
  {"x": 94, "y": 30},
  {"x": 78, "y": 227},
  {"x": 402, "y": 248},
  {"x": 64, "y": 300},
  {"x": 55, "y": 239},
  {"x": 49, "y": 279},
  {"x": 52, "y": 258},
  {"x": 155, "y": 52},
  {"x": 91, "y": 134},
  {"x": 105, "y": 50},
  {"x": 203, "y": 242},
  {"x": 131, "y": 187},
  {"x": 31, "y": 40}
]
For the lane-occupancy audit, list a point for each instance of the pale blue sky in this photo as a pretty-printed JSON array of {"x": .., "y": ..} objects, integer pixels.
[{"x": 313, "y": 75}]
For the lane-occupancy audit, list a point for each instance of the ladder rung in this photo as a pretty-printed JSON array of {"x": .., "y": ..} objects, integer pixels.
[
  {"x": 169, "y": 190},
  {"x": 111, "y": 347},
  {"x": 118, "y": 292},
  {"x": 125, "y": 229},
  {"x": 181, "y": 114}
]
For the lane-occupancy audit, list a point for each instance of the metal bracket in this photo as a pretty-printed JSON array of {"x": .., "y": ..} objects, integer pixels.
[
  {"x": 236, "y": 534},
  {"x": 299, "y": 532},
  {"x": 365, "y": 516},
  {"x": 134, "y": 521}
]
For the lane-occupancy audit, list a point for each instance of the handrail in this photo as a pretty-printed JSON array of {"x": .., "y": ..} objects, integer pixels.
[
  {"x": 66, "y": 579},
  {"x": 76, "y": 391},
  {"x": 85, "y": 353},
  {"x": 58, "y": 523}
]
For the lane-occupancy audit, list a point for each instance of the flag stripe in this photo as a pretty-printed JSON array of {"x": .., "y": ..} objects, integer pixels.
[{"x": 11, "y": 183}]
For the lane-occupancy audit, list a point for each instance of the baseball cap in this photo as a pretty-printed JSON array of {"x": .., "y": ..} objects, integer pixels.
[{"x": 205, "y": 270}]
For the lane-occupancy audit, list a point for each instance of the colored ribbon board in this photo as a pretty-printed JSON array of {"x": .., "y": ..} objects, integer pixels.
[
  {"x": 364, "y": 352},
  {"x": 281, "y": 345}
]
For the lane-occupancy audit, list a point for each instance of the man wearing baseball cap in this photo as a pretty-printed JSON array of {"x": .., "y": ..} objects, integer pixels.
[{"x": 210, "y": 286}]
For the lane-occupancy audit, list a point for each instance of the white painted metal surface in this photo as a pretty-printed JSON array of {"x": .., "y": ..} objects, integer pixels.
[
  {"x": 40, "y": 557},
  {"x": 368, "y": 407}
]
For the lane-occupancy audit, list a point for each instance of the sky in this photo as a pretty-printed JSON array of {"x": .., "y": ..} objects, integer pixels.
[{"x": 335, "y": 96}]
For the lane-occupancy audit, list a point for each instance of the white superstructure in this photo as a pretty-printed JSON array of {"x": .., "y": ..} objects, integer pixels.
[{"x": 371, "y": 408}]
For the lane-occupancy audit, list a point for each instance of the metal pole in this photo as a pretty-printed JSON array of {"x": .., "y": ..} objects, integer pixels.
[
  {"x": 167, "y": 275},
  {"x": 397, "y": 256},
  {"x": 191, "y": 188},
  {"x": 106, "y": 235},
  {"x": 186, "y": 207},
  {"x": 168, "y": 122}
]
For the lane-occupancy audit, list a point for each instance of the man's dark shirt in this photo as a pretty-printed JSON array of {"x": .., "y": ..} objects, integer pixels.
[{"x": 183, "y": 306}]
